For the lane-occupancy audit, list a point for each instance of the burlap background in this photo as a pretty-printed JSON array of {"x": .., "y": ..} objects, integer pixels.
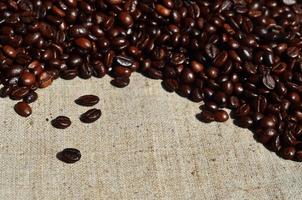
[{"x": 147, "y": 145}]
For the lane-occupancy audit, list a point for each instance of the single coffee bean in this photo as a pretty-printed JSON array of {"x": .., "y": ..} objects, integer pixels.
[
  {"x": 18, "y": 93},
  {"x": 83, "y": 43},
  {"x": 221, "y": 116},
  {"x": 23, "y": 109},
  {"x": 91, "y": 115},
  {"x": 87, "y": 100},
  {"x": 126, "y": 19},
  {"x": 61, "y": 122},
  {"x": 69, "y": 155},
  {"x": 287, "y": 153},
  {"x": 31, "y": 97},
  {"x": 120, "y": 82}
]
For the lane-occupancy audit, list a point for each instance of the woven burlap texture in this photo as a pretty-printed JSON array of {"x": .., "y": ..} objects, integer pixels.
[{"x": 147, "y": 145}]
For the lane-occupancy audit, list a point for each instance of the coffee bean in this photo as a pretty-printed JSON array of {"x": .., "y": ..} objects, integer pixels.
[
  {"x": 220, "y": 59},
  {"x": 162, "y": 10},
  {"x": 221, "y": 116},
  {"x": 268, "y": 81},
  {"x": 9, "y": 51},
  {"x": 30, "y": 97},
  {"x": 61, "y": 122},
  {"x": 91, "y": 115},
  {"x": 23, "y": 109},
  {"x": 206, "y": 116},
  {"x": 69, "y": 155},
  {"x": 120, "y": 82},
  {"x": 264, "y": 136},
  {"x": 288, "y": 153},
  {"x": 18, "y": 93},
  {"x": 28, "y": 78},
  {"x": 83, "y": 43},
  {"x": 126, "y": 19},
  {"x": 87, "y": 100},
  {"x": 170, "y": 85},
  {"x": 45, "y": 79}
]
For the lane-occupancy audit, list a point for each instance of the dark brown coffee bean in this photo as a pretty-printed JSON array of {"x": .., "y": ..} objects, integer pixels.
[
  {"x": 69, "y": 74},
  {"x": 206, "y": 116},
  {"x": 91, "y": 115},
  {"x": 211, "y": 106},
  {"x": 120, "y": 82},
  {"x": 170, "y": 85},
  {"x": 30, "y": 97},
  {"x": 287, "y": 153},
  {"x": 87, "y": 100},
  {"x": 18, "y": 93},
  {"x": 83, "y": 43},
  {"x": 268, "y": 82},
  {"x": 220, "y": 59},
  {"x": 126, "y": 19},
  {"x": 264, "y": 136},
  {"x": 268, "y": 122},
  {"x": 69, "y": 155},
  {"x": 45, "y": 79},
  {"x": 9, "y": 51},
  {"x": 61, "y": 122},
  {"x": 23, "y": 109},
  {"x": 162, "y": 10},
  {"x": 221, "y": 116},
  {"x": 28, "y": 78}
]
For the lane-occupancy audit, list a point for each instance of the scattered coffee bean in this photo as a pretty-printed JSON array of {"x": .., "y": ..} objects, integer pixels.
[
  {"x": 91, "y": 115},
  {"x": 69, "y": 155},
  {"x": 23, "y": 109},
  {"x": 87, "y": 100},
  {"x": 61, "y": 122}
]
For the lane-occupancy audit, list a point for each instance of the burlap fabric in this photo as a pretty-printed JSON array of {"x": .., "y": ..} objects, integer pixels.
[{"x": 147, "y": 145}]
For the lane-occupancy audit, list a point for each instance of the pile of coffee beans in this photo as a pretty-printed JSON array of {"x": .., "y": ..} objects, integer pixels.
[{"x": 244, "y": 55}]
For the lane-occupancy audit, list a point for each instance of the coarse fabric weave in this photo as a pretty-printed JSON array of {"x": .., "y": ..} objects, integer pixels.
[{"x": 148, "y": 144}]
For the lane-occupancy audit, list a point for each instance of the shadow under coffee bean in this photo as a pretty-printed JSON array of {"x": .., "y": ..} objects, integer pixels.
[{"x": 241, "y": 55}]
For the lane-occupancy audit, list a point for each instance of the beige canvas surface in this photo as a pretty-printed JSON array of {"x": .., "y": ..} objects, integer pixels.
[{"x": 147, "y": 145}]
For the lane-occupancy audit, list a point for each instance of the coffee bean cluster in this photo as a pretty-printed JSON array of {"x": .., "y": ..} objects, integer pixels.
[{"x": 244, "y": 55}]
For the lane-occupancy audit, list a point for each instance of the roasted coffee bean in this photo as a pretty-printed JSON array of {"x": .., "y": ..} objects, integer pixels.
[
  {"x": 120, "y": 82},
  {"x": 206, "y": 116},
  {"x": 28, "y": 78},
  {"x": 69, "y": 74},
  {"x": 170, "y": 85},
  {"x": 45, "y": 79},
  {"x": 23, "y": 109},
  {"x": 83, "y": 43},
  {"x": 18, "y": 93},
  {"x": 221, "y": 116},
  {"x": 31, "y": 97},
  {"x": 61, "y": 122},
  {"x": 268, "y": 81},
  {"x": 87, "y": 100},
  {"x": 264, "y": 136},
  {"x": 91, "y": 115},
  {"x": 69, "y": 155},
  {"x": 126, "y": 19},
  {"x": 287, "y": 153}
]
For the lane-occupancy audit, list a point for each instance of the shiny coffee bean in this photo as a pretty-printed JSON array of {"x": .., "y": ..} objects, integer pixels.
[
  {"x": 87, "y": 100},
  {"x": 23, "y": 109},
  {"x": 91, "y": 115},
  {"x": 61, "y": 122},
  {"x": 69, "y": 155}
]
